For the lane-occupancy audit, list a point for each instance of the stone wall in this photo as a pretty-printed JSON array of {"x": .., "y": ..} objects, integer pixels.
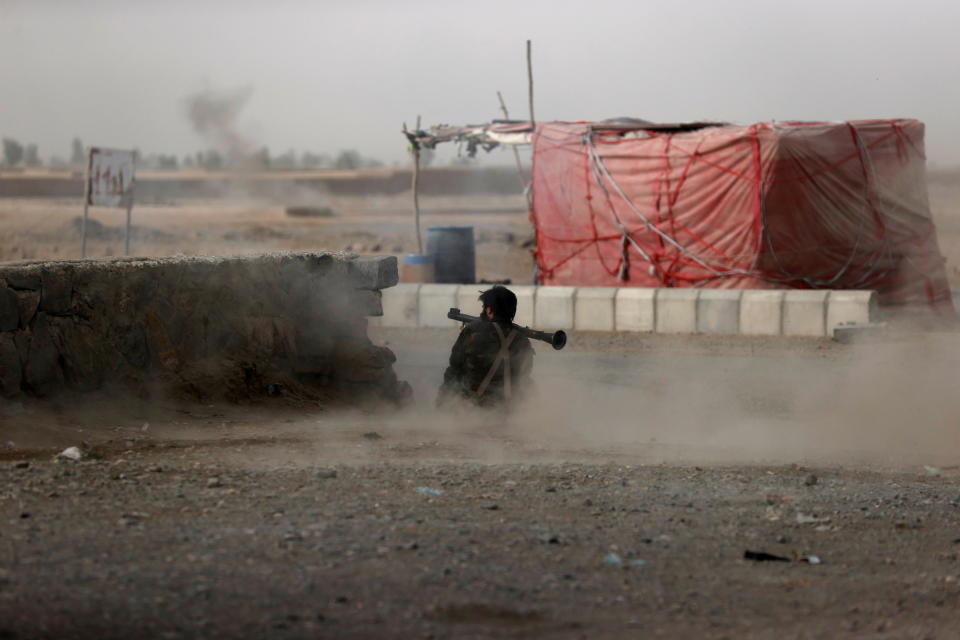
[{"x": 208, "y": 327}]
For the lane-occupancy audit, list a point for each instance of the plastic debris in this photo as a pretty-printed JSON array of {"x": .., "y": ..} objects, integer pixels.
[
  {"x": 427, "y": 491},
  {"x": 811, "y": 559},
  {"x": 931, "y": 471},
  {"x": 71, "y": 453},
  {"x": 614, "y": 559},
  {"x": 637, "y": 563},
  {"x": 762, "y": 556}
]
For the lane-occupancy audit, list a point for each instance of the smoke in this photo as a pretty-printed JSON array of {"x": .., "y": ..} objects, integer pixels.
[{"x": 213, "y": 115}]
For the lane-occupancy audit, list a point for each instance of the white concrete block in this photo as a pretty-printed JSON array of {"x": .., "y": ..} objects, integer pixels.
[
  {"x": 467, "y": 298},
  {"x": 435, "y": 301},
  {"x": 526, "y": 297},
  {"x": 805, "y": 312},
  {"x": 676, "y": 310},
  {"x": 553, "y": 308},
  {"x": 718, "y": 311},
  {"x": 761, "y": 312},
  {"x": 846, "y": 306},
  {"x": 593, "y": 309},
  {"x": 400, "y": 306},
  {"x": 634, "y": 309}
]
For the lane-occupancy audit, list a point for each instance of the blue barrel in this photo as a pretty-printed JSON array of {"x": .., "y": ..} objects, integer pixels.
[{"x": 454, "y": 256}]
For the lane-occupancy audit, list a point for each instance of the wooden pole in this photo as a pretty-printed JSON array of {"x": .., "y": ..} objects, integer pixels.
[
  {"x": 530, "y": 80},
  {"x": 416, "y": 190},
  {"x": 516, "y": 153}
]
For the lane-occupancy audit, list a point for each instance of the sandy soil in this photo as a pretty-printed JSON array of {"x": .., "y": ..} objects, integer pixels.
[{"x": 44, "y": 228}]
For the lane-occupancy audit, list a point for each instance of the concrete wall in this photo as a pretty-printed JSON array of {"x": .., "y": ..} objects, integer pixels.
[
  {"x": 712, "y": 311},
  {"x": 234, "y": 327}
]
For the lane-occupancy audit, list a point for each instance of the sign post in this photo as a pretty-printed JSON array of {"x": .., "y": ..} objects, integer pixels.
[{"x": 110, "y": 183}]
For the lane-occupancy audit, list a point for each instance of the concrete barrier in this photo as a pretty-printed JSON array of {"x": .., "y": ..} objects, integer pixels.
[
  {"x": 754, "y": 312},
  {"x": 805, "y": 312},
  {"x": 594, "y": 309},
  {"x": 761, "y": 312},
  {"x": 401, "y": 306},
  {"x": 526, "y": 305},
  {"x": 635, "y": 309},
  {"x": 435, "y": 302},
  {"x": 467, "y": 298},
  {"x": 846, "y": 307},
  {"x": 718, "y": 311},
  {"x": 553, "y": 307},
  {"x": 676, "y": 310}
]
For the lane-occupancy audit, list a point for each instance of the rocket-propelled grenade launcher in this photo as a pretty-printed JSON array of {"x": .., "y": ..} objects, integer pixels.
[{"x": 557, "y": 339}]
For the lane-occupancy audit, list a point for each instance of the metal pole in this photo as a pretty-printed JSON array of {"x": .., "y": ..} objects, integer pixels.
[
  {"x": 86, "y": 203},
  {"x": 83, "y": 231},
  {"x": 530, "y": 80},
  {"x": 131, "y": 197},
  {"x": 126, "y": 238}
]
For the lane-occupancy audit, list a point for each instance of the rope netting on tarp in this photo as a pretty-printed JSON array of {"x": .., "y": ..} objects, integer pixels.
[{"x": 770, "y": 205}]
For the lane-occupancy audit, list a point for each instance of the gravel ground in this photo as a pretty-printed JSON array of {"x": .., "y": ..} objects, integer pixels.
[{"x": 234, "y": 537}]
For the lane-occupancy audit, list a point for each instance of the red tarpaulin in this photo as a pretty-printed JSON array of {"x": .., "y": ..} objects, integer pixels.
[{"x": 825, "y": 205}]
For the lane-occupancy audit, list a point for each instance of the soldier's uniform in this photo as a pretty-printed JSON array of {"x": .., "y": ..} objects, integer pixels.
[{"x": 490, "y": 365}]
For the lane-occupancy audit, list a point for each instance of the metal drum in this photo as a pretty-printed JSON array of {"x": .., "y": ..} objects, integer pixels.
[
  {"x": 454, "y": 255},
  {"x": 417, "y": 268}
]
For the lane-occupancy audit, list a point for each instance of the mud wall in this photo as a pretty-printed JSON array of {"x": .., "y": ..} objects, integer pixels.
[{"x": 228, "y": 327}]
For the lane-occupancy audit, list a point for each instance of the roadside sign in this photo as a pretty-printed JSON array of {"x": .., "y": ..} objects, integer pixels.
[{"x": 109, "y": 183}]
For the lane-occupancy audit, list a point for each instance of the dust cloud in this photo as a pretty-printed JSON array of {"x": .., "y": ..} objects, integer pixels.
[{"x": 700, "y": 400}]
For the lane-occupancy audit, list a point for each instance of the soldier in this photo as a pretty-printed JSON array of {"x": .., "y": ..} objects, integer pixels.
[{"x": 491, "y": 362}]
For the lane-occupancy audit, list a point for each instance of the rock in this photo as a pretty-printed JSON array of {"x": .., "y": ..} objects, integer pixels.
[
  {"x": 810, "y": 480},
  {"x": 56, "y": 295},
  {"x": 11, "y": 372},
  {"x": 71, "y": 453},
  {"x": 213, "y": 483},
  {"x": 42, "y": 372},
  {"x": 326, "y": 474},
  {"x": 21, "y": 464},
  {"x": 9, "y": 309},
  {"x": 29, "y": 304},
  {"x": 24, "y": 281},
  {"x": 374, "y": 272},
  {"x": 372, "y": 435}
]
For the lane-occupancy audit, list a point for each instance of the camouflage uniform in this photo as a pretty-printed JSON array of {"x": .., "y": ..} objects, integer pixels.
[{"x": 473, "y": 356}]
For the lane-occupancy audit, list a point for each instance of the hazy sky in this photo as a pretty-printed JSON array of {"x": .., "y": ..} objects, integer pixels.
[{"x": 330, "y": 75}]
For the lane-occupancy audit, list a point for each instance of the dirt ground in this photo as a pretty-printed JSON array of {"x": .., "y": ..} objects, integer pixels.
[
  {"x": 49, "y": 228},
  {"x": 620, "y": 503}
]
